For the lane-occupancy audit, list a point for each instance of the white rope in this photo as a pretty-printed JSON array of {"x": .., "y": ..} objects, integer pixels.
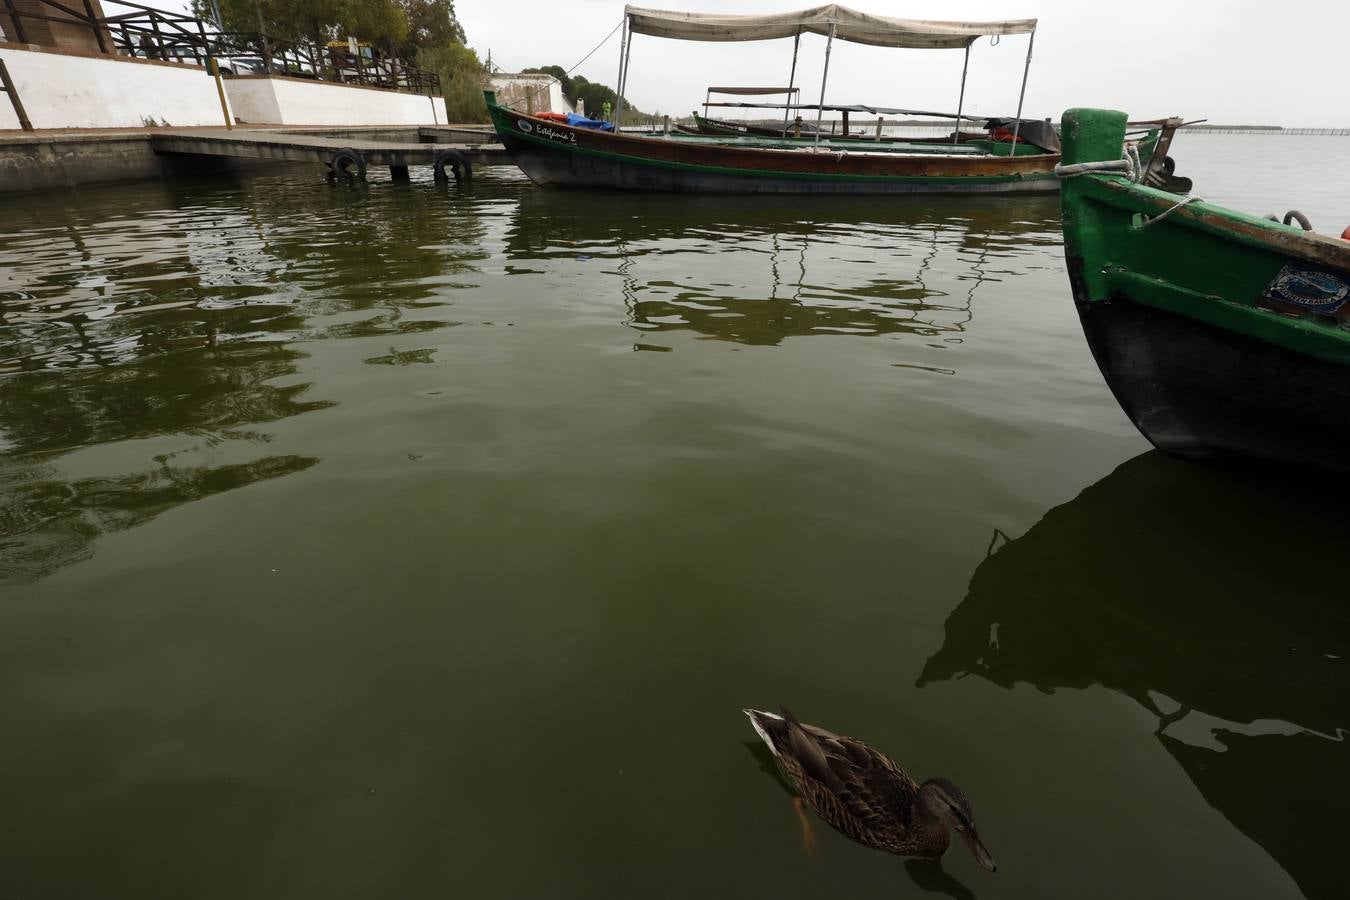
[
  {"x": 577, "y": 64},
  {"x": 1129, "y": 165},
  {"x": 1123, "y": 166},
  {"x": 1167, "y": 212}
]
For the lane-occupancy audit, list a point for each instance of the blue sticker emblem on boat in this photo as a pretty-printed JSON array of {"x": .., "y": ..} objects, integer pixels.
[
  {"x": 1310, "y": 289},
  {"x": 524, "y": 126}
]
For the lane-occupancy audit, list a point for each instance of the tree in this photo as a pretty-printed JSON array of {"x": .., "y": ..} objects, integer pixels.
[
  {"x": 381, "y": 23},
  {"x": 462, "y": 80},
  {"x": 431, "y": 24}
]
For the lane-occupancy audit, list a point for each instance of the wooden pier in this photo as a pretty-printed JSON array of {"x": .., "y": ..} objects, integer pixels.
[{"x": 344, "y": 154}]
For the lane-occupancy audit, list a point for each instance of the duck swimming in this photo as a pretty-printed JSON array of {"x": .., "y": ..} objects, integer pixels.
[{"x": 864, "y": 795}]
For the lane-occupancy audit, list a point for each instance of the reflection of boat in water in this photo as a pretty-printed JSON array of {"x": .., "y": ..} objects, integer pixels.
[
  {"x": 938, "y": 252},
  {"x": 1209, "y": 601}
]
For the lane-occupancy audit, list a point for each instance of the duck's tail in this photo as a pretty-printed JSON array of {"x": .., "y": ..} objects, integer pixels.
[{"x": 765, "y": 724}]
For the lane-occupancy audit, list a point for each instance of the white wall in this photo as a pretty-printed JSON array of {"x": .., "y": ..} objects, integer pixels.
[
  {"x": 295, "y": 101},
  {"x": 61, "y": 90},
  {"x": 529, "y": 92}
]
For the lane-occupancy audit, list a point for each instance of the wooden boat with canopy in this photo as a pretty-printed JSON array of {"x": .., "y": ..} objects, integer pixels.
[{"x": 553, "y": 153}]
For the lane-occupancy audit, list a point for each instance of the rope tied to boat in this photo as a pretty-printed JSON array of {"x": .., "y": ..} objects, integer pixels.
[
  {"x": 1128, "y": 165},
  {"x": 1167, "y": 212},
  {"x": 1123, "y": 166}
]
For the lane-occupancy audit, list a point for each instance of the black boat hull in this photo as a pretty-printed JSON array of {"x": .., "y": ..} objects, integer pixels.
[{"x": 1195, "y": 390}]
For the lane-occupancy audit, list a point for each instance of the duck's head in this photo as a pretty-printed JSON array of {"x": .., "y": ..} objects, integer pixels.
[{"x": 941, "y": 800}]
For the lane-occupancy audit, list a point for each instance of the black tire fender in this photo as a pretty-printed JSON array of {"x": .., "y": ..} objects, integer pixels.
[
  {"x": 456, "y": 163},
  {"x": 348, "y": 163},
  {"x": 1296, "y": 216}
]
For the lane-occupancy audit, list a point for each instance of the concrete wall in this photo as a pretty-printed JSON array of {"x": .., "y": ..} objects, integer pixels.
[
  {"x": 71, "y": 90},
  {"x": 529, "y": 92},
  {"x": 35, "y": 162},
  {"x": 260, "y": 100}
]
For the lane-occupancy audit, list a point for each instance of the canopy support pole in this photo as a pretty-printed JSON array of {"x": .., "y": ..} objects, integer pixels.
[
  {"x": 623, "y": 60},
  {"x": 961, "y": 100},
  {"x": 792, "y": 79},
  {"x": 824, "y": 76},
  {"x": 1026, "y": 70},
  {"x": 707, "y": 98}
]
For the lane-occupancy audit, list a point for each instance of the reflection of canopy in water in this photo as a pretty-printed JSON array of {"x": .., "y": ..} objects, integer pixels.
[{"x": 1210, "y": 588}]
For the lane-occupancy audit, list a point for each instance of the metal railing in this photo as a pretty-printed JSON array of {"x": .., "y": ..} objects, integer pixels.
[{"x": 144, "y": 32}]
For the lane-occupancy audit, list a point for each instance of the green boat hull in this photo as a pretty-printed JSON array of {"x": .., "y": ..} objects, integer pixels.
[{"x": 1220, "y": 334}]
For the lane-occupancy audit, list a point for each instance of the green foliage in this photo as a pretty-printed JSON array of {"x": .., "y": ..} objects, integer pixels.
[
  {"x": 380, "y": 23},
  {"x": 431, "y": 24},
  {"x": 462, "y": 80}
]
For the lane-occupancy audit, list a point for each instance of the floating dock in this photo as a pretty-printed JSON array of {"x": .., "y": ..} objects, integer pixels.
[
  {"x": 42, "y": 160},
  {"x": 342, "y": 154}
]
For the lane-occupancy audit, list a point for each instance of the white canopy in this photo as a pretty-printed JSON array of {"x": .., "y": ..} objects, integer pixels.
[{"x": 850, "y": 25}]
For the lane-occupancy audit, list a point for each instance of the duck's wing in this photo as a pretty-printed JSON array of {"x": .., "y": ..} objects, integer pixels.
[{"x": 869, "y": 785}]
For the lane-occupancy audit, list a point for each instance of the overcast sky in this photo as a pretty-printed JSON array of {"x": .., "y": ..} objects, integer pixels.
[
  {"x": 1235, "y": 61},
  {"x": 1265, "y": 62}
]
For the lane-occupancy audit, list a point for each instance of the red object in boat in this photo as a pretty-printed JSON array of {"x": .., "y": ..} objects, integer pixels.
[
  {"x": 1006, "y": 136},
  {"x": 1345, "y": 235},
  {"x": 551, "y": 116}
]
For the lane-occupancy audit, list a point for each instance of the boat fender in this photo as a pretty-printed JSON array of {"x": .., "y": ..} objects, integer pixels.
[
  {"x": 348, "y": 163},
  {"x": 455, "y": 161},
  {"x": 1169, "y": 166},
  {"x": 1295, "y": 215}
]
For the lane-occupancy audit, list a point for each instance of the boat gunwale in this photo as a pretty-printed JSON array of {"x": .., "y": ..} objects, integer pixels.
[{"x": 1025, "y": 165}]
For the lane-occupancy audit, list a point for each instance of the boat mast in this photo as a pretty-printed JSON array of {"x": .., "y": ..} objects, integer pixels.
[
  {"x": 824, "y": 76},
  {"x": 625, "y": 43},
  {"x": 1022, "y": 96},
  {"x": 792, "y": 79},
  {"x": 961, "y": 100}
]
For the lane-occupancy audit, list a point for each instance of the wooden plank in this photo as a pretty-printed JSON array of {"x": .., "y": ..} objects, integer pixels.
[{"x": 7, "y": 85}]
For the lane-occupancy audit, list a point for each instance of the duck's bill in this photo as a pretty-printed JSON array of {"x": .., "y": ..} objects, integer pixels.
[{"x": 980, "y": 852}]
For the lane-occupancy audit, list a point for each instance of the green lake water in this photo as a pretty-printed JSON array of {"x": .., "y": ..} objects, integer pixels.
[{"x": 411, "y": 541}]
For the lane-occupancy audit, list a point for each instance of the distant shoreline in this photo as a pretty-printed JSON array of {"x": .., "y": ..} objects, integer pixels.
[{"x": 1208, "y": 127}]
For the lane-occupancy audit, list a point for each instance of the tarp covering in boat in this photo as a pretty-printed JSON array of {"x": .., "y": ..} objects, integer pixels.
[
  {"x": 850, "y": 25},
  {"x": 577, "y": 121},
  {"x": 1033, "y": 131}
]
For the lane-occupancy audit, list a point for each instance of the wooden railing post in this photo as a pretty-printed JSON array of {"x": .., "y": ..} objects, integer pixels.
[
  {"x": 8, "y": 87},
  {"x": 18, "y": 22},
  {"x": 94, "y": 24}
]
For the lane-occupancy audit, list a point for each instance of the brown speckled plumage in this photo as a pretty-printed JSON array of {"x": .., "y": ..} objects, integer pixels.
[{"x": 862, "y": 793}]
